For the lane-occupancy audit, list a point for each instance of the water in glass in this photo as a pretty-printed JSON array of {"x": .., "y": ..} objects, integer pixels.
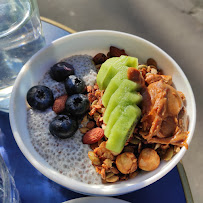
[{"x": 20, "y": 37}]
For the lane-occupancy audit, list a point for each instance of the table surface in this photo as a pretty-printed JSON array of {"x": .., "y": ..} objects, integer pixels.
[
  {"x": 176, "y": 26},
  {"x": 35, "y": 187}
]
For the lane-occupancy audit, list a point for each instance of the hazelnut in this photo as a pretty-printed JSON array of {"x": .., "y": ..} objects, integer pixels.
[
  {"x": 126, "y": 162},
  {"x": 148, "y": 159}
]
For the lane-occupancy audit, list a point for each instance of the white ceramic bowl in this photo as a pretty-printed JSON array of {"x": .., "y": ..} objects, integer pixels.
[{"x": 92, "y": 42}]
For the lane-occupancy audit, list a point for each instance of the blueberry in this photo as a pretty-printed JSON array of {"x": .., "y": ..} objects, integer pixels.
[
  {"x": 60, "y": 71},
  {"x": 74, "y": 85},
  {"x": 63, "y": 126},
  {"x": 40, "y": 97},
  {"x": 77, "y": 104}
]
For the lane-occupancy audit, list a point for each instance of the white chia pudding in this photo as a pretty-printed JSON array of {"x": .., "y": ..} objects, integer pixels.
[{"x": 68, "y": 156}]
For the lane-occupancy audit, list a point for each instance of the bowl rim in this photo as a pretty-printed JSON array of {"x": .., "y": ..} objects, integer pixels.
[{"x": 77, "y": 186}]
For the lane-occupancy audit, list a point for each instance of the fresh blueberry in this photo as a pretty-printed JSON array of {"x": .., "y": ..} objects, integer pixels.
[
  {"x": 60, "y": 71},
  {"x": 77, "y": 104},
  {"x": 74, "y": 85},
  {"x": 40, "y": 97},
  {"x": 62, "y": 126}
]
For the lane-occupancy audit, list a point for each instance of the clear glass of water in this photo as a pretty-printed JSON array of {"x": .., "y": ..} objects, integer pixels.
[{"x": 20, "y": 38}]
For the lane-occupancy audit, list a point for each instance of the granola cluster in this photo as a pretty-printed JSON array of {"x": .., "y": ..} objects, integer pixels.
[
  {"x": 112, "y": 167},
  {"x": 137, "y": 151}
]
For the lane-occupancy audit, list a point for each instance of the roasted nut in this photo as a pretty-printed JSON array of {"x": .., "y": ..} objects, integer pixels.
[
  {"x": 169, "y": 154},
  {"x": 93, "y": 136},
  {"x": 114, "y": 170},
  {"x": 94, "y": 158},
  {"x": 112, "y": 179},
  {"x": 134, "y": 140},
  {"x": 126, "y": 162},
  {"x": 151, "y": 61},
  {"x": 59, "y": 104},
  {"x": 148, "y": 159},
  {"x": 90, "y": 124},
  {"x": 108, "y": 175},
  {"x": 116, "y": 52},
  {"x": 99, "y": 58}
]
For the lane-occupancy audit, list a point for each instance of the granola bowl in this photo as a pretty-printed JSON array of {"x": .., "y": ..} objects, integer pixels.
[{"x": 90, "y": 43}]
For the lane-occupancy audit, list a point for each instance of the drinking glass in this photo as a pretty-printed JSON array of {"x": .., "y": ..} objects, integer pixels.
[
  {"x": 20, "y": 38},
  {"x": 8, "y": 190}
]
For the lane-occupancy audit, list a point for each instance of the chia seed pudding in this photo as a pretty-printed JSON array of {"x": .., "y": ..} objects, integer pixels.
[{"x": 67, "y": 156}]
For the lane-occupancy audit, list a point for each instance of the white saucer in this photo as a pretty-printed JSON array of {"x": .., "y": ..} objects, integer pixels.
[{"x": 96, "y": 199}]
